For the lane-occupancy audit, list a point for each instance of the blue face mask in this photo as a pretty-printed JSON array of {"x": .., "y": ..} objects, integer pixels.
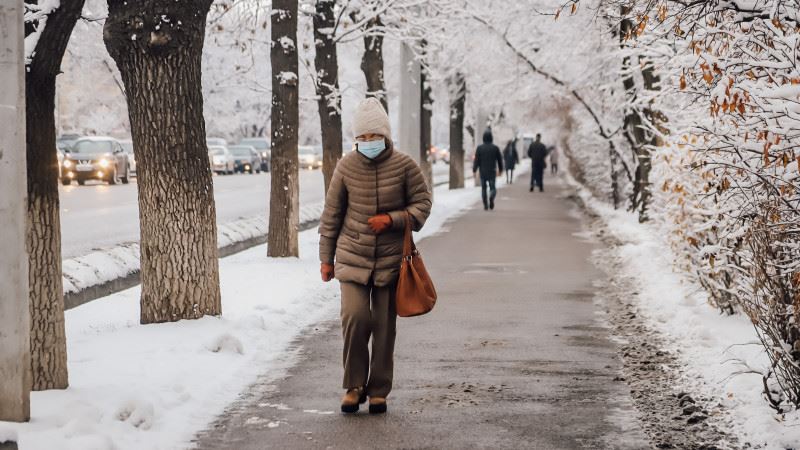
[{"x": 371, "y": 149}]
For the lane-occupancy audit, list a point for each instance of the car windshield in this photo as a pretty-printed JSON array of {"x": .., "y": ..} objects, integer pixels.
[
  {"x": 307, "y": 151},
  {"x": 218, "y": 152},
  {"x": 92, "y": 147},
  {"x": 259, "y": 144},
  {"x": 215, "y": 141},
  {"x": 240, "y": 151}
]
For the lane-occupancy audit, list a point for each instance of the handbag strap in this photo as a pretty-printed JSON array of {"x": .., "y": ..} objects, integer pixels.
[{"x": 408, "y": 240}]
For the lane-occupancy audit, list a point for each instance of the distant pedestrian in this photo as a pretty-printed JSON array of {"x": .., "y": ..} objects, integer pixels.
[
  {"x": 538, "y": 154},
  {"x": 489, "y": 161},
  {"x": 361, "y": 232},
  {"x": 511, "y": 158},
  {"x": 553, "y": 160}
]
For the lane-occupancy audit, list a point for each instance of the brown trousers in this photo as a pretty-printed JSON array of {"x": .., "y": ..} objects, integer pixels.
[{"x": 368, "y": 311}]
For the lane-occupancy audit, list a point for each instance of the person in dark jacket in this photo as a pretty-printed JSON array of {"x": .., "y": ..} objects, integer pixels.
[
  {"x": 489, "y": 161},
  {"x": 538, "y": 154},
  {"x": 511, "y": 158}
]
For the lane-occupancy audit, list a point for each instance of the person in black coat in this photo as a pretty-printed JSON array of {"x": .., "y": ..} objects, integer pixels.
[
  {"x": 538, "y": 154},
  {"x": 511, "y": 158},
  {"x": 489, "y": 161}
]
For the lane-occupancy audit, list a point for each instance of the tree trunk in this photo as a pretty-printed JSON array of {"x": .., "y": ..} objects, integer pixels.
[
  {"x": 459, "y": 97},
  {"x": 640, "y": 138},
  {"x": 372, "y": 62},
  {"x": 48, "y": 340},
  {"x": 426, "y": 112},
  {"x": 284, "y": 217},
  {"x": 157, "y": 45},
  {"x": 329, "y": 100}
]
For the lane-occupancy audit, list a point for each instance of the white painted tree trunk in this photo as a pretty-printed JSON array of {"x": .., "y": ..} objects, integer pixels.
[{"x": 15, "y": 379}]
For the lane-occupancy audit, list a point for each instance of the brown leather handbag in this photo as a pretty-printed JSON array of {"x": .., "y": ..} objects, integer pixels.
[{"x": 415, "y": 292}]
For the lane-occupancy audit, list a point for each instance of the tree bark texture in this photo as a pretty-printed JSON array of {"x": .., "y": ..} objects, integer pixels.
[
  {"x": 372, "y": 63},
  {"x": 284, "y": 217},
  {"x": 157, "y": 45},
  {"x": 425, "y": 115},
  {"x": 329, "y": 99},
  {"x": 457, "y": 102},
  {"x": 48, "y": 340}
]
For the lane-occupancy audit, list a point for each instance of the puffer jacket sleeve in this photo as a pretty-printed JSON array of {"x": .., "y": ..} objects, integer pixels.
[
  {"x": 418, "y": 200},
  {"x": 330, "y": 223}
]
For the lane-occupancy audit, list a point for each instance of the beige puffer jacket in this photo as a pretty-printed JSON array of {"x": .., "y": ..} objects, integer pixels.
[{"x": 360, "y": 188}]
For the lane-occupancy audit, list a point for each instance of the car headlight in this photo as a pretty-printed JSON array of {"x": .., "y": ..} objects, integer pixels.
[
  {"x": 103, "y": 163},
  {"x": 67, "y": 164}
]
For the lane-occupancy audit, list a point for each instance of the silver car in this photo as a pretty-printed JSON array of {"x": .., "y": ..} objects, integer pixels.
[
  {"x": 96, "y": 158},
  {"x": 264, "y": 149},
  {"x": 309, "y": 156},
  {"x": 222, "y": 162},
  {"x": 127, "y": 145}
]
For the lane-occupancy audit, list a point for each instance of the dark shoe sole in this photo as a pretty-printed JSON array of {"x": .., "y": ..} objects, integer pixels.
[
  {"x": 350, "y": 409},
  {"x": 377, "y": 409}
]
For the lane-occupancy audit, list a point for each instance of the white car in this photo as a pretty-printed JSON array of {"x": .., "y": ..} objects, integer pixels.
[
  {"x": 222, "y": 162},
  {"x": 309, "y": 156},
  {"x": 127, "y": 145}
]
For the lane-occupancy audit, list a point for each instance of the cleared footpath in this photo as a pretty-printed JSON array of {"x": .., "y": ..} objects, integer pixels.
[{"x": 514, "y": 356}]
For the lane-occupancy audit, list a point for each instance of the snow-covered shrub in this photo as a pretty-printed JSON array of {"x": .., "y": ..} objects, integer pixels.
[{"x": 727, "y": 176}]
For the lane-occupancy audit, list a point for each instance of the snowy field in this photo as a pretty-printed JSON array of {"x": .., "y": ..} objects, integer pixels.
[
  {"x": 718, "y": 351},
  {"x": 153, "y": 387}
]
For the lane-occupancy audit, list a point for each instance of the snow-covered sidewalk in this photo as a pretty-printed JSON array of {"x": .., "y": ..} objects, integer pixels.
[
  {"x": 717, "y": 351},
  {"x": 138, "y": 386}
]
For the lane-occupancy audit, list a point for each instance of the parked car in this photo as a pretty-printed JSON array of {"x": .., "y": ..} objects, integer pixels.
[
  {"x": 310, "y": 156},
  {"x": 245, "y": 159},
  {"x": 66, "y": 141},
  {"x": 264, "y": 149},
  {"x": 96, "y": 158},
  {"x": 127, "y": 145},
  {"x": 221, "y": 159},
  {"x": 216, "y": 142}
]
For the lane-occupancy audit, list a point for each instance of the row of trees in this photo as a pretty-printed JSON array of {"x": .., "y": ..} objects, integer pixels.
[
  {"x": 709, "y": 123},
  {"x": 157, "y": 46}
]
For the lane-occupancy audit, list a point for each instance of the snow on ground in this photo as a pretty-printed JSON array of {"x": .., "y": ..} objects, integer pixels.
[
  {"x": 714, "y": 348},
  {"x": 153, "y": 387}
]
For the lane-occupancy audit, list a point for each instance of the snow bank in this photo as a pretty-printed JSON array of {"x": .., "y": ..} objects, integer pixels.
[
  {"x": 153, "y": 387},
  {"x": 102, "y": 266},
  {"x": 718, "y": 351}
]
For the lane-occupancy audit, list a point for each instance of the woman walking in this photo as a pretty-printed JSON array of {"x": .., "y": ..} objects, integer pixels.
[
  {"x": 511, "y": 159},
  {"x": 361, "y": 242}
]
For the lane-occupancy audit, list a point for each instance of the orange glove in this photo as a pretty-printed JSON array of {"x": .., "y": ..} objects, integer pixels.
[
  {"x": 380, "y": 223},
  {"x": 326, "y": 270}
]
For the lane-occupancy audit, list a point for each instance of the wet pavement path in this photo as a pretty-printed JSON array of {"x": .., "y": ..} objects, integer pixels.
[{"x": 515, "y": 355}]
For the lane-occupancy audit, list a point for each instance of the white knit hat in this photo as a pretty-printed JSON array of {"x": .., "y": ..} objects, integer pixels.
[{"x": 371, "y": 118}]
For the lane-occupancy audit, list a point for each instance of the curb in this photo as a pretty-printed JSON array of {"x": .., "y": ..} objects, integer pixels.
[{"x": 86, "y": 295}]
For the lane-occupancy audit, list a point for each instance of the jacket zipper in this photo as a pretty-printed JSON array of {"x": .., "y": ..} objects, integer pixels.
[{"x": 377, "y": 211}]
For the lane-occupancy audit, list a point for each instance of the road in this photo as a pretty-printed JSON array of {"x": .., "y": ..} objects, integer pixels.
[
  {"x": 515, "y": 355},
  {"x": 100, "y": 216}
]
